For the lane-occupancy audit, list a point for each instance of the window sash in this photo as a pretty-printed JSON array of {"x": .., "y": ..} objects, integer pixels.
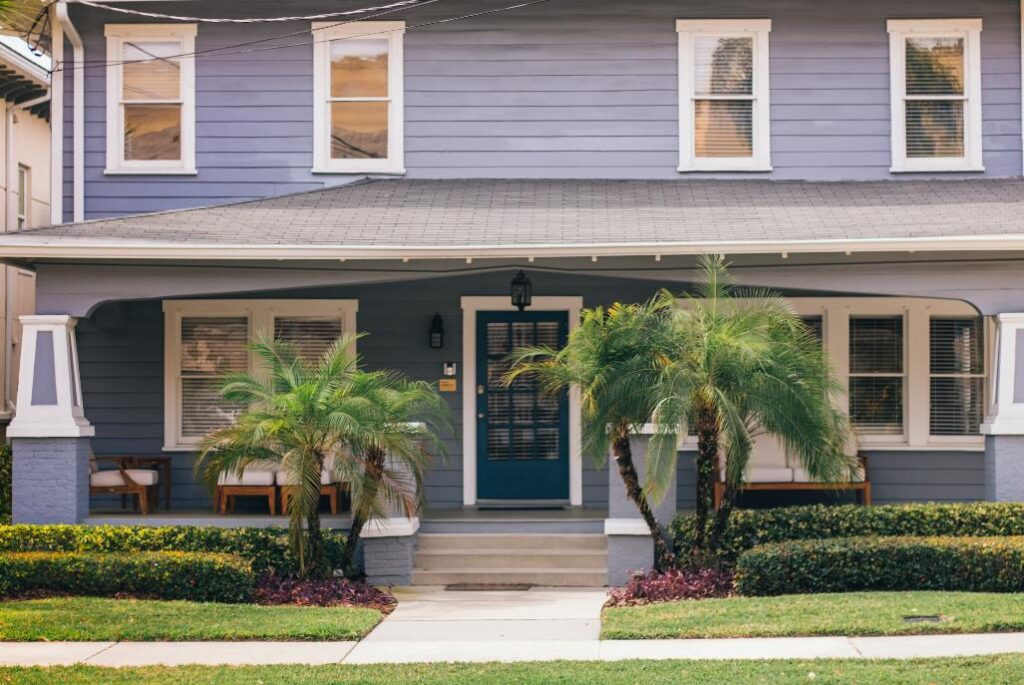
[
  {"x": 119, "y": 36},
  {"x": 324, "y": 35},
  {"x": 967, "y": 30},
  {"x": 962, "y": 417},
  {"x": 758, "y": 32}
]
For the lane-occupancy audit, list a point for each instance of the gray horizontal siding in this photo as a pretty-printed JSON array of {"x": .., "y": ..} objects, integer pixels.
[
  {"x": 567, "y": 90},
  {"x": 926, "y": 477}
]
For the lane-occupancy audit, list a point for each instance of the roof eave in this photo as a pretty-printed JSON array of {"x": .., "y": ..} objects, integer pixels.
[{"x": 17, "y": 249}]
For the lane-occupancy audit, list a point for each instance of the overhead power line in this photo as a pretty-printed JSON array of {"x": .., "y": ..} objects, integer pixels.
[
  {"x": 230, "y": 49},
  {"x": 255, "y": 20}
]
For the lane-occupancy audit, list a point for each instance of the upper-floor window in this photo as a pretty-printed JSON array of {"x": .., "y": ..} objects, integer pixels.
[
  {"x": 723, "y": 95},
  {"x": 24, "y": 195},
  {"x": 358, "y": 92},
  {"x": 151, "y": 98},
  {"x": 936, "y": 94}
]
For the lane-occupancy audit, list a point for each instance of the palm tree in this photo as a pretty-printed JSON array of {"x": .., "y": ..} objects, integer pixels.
[
  {"x": 743, "y": 364},
  {"x": 614, "y": 358},
  {"x": 310, "y": 415}
]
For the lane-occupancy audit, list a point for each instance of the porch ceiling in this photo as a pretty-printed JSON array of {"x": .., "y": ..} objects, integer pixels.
[{"x": 492, "y": 218}]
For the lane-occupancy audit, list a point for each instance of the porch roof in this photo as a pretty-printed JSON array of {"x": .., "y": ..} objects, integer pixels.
[{"x": 405, "y": 218}]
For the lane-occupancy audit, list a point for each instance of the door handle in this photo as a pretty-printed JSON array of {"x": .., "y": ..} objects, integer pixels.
[
  {"x": 480, "y": 390},
  {"x": 480, "y": 415}
]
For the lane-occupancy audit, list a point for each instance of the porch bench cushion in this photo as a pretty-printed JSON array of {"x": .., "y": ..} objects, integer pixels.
[
  {"x": 766, "y": 474},
  {"x": 250, "y": 477},
  {"x": 801, "y": 476},
  {"x": 326, "y": 478},
  {"x": 113, "y": 479}
]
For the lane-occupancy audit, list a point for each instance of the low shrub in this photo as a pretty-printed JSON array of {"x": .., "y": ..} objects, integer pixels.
[
  {"x": 199, "y": 577},
  {"x": 327, "y": 592},
  {"x": 6, "y": 465},
  {"x": 990, "y": 564},
  {"x": 751, "y": 527},
  {"x": 266, "y": 549},
  {"x": 673, "y": 585}
]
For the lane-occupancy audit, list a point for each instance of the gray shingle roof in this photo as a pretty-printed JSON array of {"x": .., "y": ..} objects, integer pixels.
[{"x": 517, "y": 214}]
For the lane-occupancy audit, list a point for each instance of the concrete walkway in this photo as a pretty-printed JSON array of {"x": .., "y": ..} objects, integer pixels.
[{"x": 431, "y": 625}]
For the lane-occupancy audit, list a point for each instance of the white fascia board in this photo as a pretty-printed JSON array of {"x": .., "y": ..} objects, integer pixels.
[{"x": 16, "y": 247}]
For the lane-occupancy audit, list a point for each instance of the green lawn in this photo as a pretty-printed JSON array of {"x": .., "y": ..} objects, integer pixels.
[
  {"x": 94, "y": 618},
  {"x": 998, "y": 670},
  {"x": 856, "y": 613}
]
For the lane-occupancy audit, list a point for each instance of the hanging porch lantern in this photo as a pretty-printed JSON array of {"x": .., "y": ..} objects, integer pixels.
[
  {"x": 522, "y": 291},
  {"x": 436, "y": 336}
]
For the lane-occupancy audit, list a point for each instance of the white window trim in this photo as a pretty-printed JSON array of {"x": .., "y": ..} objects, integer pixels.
[
  {"x": 970, "y": 31},
  {"x": 916, "y": 313},
  {"x": 323, "y": 33},
  {"x": 759, "y": 30},
  {"x": 117, "y": 35},
  {"x": 261, "y": 314},
  {"x": 23, "y": 198},
  {"x": 572, "y": 305}
]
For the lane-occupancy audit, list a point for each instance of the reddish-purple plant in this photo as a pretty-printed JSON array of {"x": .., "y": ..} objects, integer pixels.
[
  {"x": 667, "y": 586},
  {"x": 324, "y": 592}
]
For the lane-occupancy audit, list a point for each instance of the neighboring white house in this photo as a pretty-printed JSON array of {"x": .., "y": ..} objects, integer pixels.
[{"x": 25, "y": 181}]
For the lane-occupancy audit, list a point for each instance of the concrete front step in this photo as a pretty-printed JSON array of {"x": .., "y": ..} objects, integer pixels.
[
  {"x": 479, "y": 559},
  {"x": 564, "y": 577},
  {"x": 558, "y": 542}
]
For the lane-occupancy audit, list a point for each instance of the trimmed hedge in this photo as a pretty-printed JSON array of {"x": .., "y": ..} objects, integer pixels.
[
  {"x": 751, "y": 527},
  {"x": 199, "y": 577},
  {"x": 992, "y": 564},
  {"x": 266, "y": 549}
]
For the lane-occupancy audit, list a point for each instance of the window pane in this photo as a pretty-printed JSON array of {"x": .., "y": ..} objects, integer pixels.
[
  {"x": 723, "y": 66},
  {"x": 956, "y": 345},
  {"x": 359, "y": 68},
  {"x": 152, "y": 132},
  {"x": 876, "y": 344},
  {"x": 876, "y": 404},
  {"x": 359, "y": 130},
  {"x": 210, "y": 347},
  {"x": 155, "y": 77},
  {"x": 214, "y": 345},
  {"x": 935, "y": 128},
  {"x": 814, "y": 326},
  {"x": 723, "y": 128},
  {"x": 312, "y": 336},
  {"x": 957, "y": 405},
  {"x": 22, "y": 190},
  {"x": 935, "y": 66}
]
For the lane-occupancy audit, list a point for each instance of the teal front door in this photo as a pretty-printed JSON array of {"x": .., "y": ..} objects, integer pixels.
[{"x": 522, "y": 434}]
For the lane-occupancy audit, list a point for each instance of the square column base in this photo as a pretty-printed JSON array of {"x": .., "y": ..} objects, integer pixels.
[
  {"x": 1004, "y": 468},
  {"x": 628, "y": 554},
  {"x": 51, "y": 480},
  {"x": 389, "y": 560}
]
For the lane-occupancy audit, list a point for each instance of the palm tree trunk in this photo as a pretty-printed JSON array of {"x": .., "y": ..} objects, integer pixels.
[
  {"x": 722, "y": 516},
  {"x": 707, "y": 456},
  {"x": 664, "y": 558},
  {"x": 316, "y": 564},
  {"x": 374, "y": 468}
]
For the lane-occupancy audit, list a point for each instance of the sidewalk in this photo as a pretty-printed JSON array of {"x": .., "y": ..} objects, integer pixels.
[{"x": 431, "y": 625}]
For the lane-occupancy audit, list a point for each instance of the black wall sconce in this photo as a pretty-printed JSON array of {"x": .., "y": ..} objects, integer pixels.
[
  {"x": 522, "y": 291},
  {"x": 436, "y": 337}
]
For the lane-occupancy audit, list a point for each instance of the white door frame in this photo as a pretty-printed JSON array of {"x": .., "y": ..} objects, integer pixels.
[{"x": 572, "y": 305}]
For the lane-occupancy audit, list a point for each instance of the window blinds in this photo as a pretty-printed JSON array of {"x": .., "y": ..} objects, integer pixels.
[
  {"x": 935, "y": 97},
  {"x": 876, "y": 374},
  {"x": 957, "y": 376},
  {"x": 723, "y": 96},
  {"x": 210, "y": 347},
  {"x": 312, "y": 336}
]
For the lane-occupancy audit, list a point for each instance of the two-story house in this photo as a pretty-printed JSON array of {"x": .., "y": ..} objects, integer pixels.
[{"x": 393, "y": 171}]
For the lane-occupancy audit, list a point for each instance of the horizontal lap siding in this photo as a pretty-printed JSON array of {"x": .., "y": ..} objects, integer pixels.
[
  {"x": 569, "y": 89},
  {"x": 926, "y": 477}
]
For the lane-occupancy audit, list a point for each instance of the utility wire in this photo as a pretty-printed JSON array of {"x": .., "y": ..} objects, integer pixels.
[
  {"x": 258, "y": 20},
  {"x": 229, "y": 50},
  {"x": 104, "y": 63}
]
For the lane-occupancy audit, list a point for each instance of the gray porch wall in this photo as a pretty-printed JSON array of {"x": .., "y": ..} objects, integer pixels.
[
  {"x": 121, "y": 358},
  {"x": 571, "y": 89}
]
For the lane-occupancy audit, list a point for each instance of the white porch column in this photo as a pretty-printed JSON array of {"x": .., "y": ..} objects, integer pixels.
[
  {"x": 1004, "y": 423},
  {"x": 49, "y": 432}
]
